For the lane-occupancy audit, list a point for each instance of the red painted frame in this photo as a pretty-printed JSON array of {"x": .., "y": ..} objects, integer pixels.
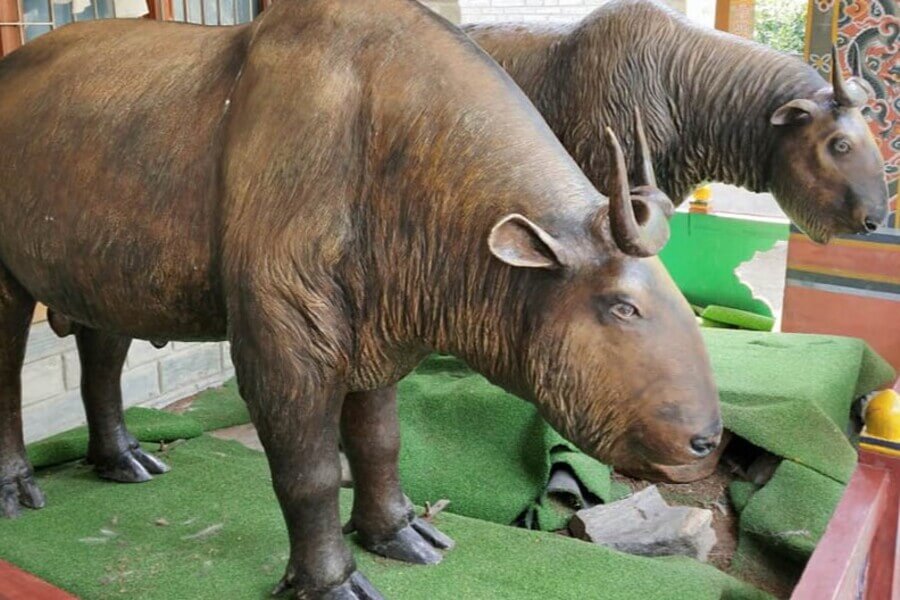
[
  {"x": 859, "y": 555},
  {"x": 16, "y": 584}
]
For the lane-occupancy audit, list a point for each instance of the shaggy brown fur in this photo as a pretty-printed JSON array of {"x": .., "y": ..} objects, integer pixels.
[
  {"x": 339, "y": 189},
  {"x": 708, "y": 98}
]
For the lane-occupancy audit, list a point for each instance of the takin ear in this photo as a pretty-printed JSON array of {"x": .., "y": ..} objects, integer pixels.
[
  {"x": 521, "y": 243},
  {"x": 794, "y": 112}
]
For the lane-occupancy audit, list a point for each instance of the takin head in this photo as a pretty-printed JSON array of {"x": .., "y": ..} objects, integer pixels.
[
  {"x": 827, "y": 171},
  {"x": 615, "y": 360}
]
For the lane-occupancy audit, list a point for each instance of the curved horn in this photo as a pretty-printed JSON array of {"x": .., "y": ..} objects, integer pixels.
[
  {"x": 845, "y": 94},
  {"x": 645, "y": 165},
  {"x": 640, "y": 239}
]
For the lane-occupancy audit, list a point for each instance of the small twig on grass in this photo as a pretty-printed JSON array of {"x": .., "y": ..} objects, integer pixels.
[
  {"x": 432, "y": 510},
  {"x": 204, "y": 533}
]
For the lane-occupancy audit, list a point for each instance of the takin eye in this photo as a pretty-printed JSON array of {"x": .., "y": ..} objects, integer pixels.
[
  {"x": 624, "y": 310},
  {"x": 840, "y": 146}
]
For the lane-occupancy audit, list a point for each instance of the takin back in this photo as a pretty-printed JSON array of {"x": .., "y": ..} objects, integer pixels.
[{"x": 717, "y": 107}]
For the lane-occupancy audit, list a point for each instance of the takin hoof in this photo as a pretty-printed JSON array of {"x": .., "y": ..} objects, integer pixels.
[
  {"x": 17, "y": 491},
  {"x": 418, "y": 543},
  {"x": 131, "y": 466},
  {"x": 356, "y": 587}
]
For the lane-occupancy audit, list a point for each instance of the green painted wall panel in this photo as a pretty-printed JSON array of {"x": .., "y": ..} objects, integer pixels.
[{"x": 705, "y": 250}]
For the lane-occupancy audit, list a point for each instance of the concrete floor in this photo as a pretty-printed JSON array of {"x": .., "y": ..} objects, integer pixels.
[{"x": 246, "y": 435}]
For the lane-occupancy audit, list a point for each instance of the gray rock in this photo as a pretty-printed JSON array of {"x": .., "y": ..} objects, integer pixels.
[
  {"x": 645, "y": 525},
  {"x": 763, "y": 468}
]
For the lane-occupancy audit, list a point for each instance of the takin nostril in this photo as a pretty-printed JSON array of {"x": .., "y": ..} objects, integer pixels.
[
  {"x": 870, "y": 224},
  {"x": 702, "y": 445}
]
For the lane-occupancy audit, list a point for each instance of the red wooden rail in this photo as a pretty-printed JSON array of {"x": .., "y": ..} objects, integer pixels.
[
  {"x": 859, "y": 555},
  {"x": 16, "y": 584}
]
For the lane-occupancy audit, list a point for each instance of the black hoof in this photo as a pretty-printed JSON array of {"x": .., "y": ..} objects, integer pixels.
[
  {"x": 357, "y": 587},
  {"x": 417, "y": 543},
  {"x": 132, "y": 466},
  {"x": 17, "y": 491}
]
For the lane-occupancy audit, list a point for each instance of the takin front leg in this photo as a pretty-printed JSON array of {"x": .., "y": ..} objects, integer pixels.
[
  {"x": 297, "y": 418},
  {"x": 382, "y": 515},
  {"x": 113, "y": 451},
  {"x": 17, "y": 486}
]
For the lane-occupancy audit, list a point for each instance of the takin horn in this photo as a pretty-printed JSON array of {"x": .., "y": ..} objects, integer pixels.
[
  {"x": 639, "y": 237},
  {"x": 647, "y": 177},
  {"x": 849, "y": 94},
  {"x": 645, "y": 165}
]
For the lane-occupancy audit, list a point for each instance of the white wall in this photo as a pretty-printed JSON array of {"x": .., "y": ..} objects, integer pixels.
[
  {"x": 50, "y": 379},
  {"x": 488, "y": 11}
]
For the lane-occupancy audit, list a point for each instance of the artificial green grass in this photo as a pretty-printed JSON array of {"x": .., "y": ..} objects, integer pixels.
[
  {"x": 734, "y": 317},
  {"x": 211, "y": 529},
  {"x": 146, "y": 424},
  {"x": 791, "y": 393},
  {"x": 740, "y": 493},
  {"x": 490, "y": 454},
  {"x": 790, "y": 513},
  {"x": 219, "y": 408},
  {"x": 487, "y": 451}
]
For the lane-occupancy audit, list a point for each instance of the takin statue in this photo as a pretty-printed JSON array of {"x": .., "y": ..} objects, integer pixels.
[
  {"x": 717, "y": 108},
  {"x": 339, "y": 188}
]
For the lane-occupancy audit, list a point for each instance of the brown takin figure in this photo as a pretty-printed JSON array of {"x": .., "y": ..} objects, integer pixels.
[
  {"x": 717, "y": 108},
  {"x": 339, "y": 189}
]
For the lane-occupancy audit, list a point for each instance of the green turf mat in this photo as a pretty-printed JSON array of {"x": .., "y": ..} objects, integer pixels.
[
  {"x": 791, "y": 393},
  {"x": 487, "y": 451},
  {"x": 754, "y": 560},
  {"x": 218, "y": 408},
  {"x": 741, "y": 319},
  {"x": 211, "y": 529},
  {"x": 146, "y": 424},
  {"x": 790, "y": 513},
  {"x": 740, "y": 493},
  {"x": 490, "y": 453}
]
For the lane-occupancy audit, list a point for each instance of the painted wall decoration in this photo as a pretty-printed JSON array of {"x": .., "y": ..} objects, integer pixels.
[
  {"x": 869, "y": 35},
  {"x": 852, "y": 286}
]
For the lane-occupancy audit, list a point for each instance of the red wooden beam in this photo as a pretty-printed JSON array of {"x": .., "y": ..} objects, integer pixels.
[
  {"x": 16, "y": 584},
  {"x": 883, "y": 578},
  {"x": 837, "y": 567},
  {"x": 10, "y": 35},
  {"x": 859, "y": 555}
]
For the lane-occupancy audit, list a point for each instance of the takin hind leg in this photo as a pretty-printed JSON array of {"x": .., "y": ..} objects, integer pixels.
[
  {"x": 382, "y": 516},
  {"x": 113, "y": 451},
  {"x": 17, "y": 486}
]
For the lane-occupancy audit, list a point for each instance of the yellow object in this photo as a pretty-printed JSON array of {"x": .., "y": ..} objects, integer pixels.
[
  {"x": 700, "y": 203},
  {"x": 882, "y": 431},
  {"x": 703, "y": 193}
]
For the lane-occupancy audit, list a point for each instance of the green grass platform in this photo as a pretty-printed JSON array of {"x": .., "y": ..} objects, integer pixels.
[
  {"x": 212, "y": 529},
  {"x": 491, "y": 454}
]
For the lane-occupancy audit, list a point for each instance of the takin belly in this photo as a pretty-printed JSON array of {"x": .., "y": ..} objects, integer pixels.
[
  {"x": 108, "y": 188},
  {"x": 126, "y": 279}
]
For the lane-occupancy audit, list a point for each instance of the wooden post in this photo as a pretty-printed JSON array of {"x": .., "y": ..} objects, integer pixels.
[
  {"x": 10, "y": 35},
  {"x": 160, "y": 10},
  {"x": 736, "y": 16}
]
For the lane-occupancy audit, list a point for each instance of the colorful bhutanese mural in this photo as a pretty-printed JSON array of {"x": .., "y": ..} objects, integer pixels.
[{"x": 852, "y": 286}]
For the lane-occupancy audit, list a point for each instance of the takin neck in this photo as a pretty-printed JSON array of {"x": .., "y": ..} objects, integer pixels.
[
  {"x": 427, "y": 280},
  {"x": 707, "y": 119}
]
